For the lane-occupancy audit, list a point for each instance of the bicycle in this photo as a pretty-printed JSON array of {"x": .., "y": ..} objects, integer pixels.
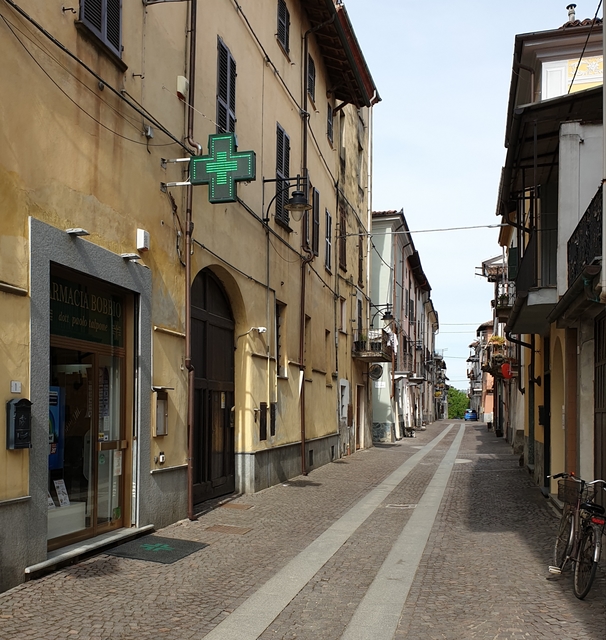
[{"x": 579, "y": 538}]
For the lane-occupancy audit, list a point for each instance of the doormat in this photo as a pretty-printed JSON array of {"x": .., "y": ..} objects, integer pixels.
[{"x": 156, "y": 549}]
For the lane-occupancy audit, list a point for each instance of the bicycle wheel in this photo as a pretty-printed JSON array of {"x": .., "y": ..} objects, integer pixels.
[
  {"x": 563, "y": 542},
  {"x": 586, "y": 564}
]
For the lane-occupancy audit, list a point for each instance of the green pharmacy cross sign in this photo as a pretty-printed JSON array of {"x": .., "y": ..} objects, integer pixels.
[{"x": 222, "y": 168}]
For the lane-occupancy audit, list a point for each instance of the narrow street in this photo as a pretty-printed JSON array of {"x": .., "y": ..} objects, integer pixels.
[{"x": 438, "y": 536}]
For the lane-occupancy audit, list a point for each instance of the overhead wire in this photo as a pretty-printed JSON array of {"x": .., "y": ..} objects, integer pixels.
[
  {"x": 45, "y": 50},
  {"x": 63, "y": 48},
  {"x": 119, "y": 135}
]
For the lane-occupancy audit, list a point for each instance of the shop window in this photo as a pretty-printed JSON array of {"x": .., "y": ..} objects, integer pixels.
[{"x": 87, "y": 458}]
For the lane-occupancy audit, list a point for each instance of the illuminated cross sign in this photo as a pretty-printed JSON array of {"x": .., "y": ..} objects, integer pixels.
[{"x": 222, "y": 168}]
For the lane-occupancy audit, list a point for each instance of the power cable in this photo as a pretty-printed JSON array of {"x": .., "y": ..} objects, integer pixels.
[
  {"x": 63, "y": 48},
  {"x": 119, "y": 135}
]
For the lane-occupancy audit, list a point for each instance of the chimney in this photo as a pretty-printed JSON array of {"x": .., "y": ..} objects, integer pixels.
[{"x": 571, "y": 14}]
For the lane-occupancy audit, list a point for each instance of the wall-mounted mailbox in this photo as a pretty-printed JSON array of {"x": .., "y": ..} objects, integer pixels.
[{"x": 18, "y": 424}]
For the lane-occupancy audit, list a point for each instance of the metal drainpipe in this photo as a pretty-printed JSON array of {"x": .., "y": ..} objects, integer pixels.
[
  {"x": 189, "y": 228},
  {"x": 603, "y": 276},
  {"x": 394, "y": 329},
  {"x": 305, "y": 261}
]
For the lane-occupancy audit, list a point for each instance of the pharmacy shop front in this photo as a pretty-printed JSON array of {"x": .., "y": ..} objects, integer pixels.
[{"x": 90, "y": 435}]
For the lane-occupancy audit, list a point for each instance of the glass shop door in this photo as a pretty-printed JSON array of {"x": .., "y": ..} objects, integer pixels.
[{"x": 87, "y": 445}]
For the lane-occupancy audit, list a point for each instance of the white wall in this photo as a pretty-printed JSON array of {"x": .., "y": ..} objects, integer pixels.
[{"x": 580, "y": 167}]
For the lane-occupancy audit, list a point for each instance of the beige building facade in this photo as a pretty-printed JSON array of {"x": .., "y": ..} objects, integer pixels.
[{"x": 167, "y": 340}]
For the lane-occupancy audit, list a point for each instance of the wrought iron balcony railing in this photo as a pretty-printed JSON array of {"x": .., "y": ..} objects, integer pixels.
[
  {"x": 538, "y": 265},
  {"x": 506, "y": 296},
  {"x": 585, "y": 243}
]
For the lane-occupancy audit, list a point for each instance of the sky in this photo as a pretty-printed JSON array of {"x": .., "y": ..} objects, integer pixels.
[{"x": 443, "y": 71}]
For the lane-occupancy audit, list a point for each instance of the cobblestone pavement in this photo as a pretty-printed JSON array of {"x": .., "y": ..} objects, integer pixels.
[{"x": 482, "y": 574}]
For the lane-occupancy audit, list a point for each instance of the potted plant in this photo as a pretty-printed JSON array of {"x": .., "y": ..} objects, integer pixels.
[{"x": 360, "y": 343}]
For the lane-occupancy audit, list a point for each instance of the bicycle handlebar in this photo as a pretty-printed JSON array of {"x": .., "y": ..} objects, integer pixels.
[{"x": 571, "y": 476}]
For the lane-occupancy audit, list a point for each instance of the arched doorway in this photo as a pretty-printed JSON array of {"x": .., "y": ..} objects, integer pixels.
[{"x": 212, "y": 328}]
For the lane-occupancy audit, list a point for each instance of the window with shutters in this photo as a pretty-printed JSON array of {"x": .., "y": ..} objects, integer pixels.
[
  {"x": 103, "y": 18},
  {"x": 283, "y": 34},
  {"x": 263, "y": 421},
  {"x": 226, "y": 89},
  {"x": 305, "y": 229},
  {"x": 360, "y": 317},
  {"x": 342, "y": 239},
  {"x": 315, "y": 222},
  {"x": 329, "y": 126},
  {"x": 328, "y": 241},
  {"x": 279, "y": 332},
  {"x": 311, "y": 78},
  {"x": 360, "y": 259},
  {"x": 282, "y": 173}
]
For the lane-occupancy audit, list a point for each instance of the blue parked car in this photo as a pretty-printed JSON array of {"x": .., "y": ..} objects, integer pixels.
[{"x": 471, "y": 414}]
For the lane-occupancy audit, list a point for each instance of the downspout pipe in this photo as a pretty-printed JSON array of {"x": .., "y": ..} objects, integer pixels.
[
  {"x": 304, "y": 262},
  {"x": 189, "y": 229},
  {"x": 309, "y": 257},
  {"x": 509, "y": 337},
  {"x": 603, "y": 276}
]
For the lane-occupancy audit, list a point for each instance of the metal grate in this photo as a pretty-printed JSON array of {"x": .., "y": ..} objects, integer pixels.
[{"x": 225, "y": 528}]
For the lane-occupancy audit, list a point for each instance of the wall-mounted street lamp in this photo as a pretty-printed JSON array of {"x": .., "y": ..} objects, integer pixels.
[
  {"x": 387, "y": 315},
  {"x": 297, "y": 203}
]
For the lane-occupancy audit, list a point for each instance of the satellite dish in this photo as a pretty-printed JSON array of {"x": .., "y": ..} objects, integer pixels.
[{"x": 375, "y": 371}]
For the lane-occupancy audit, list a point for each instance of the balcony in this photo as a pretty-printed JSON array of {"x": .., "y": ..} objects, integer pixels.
[
  {"x": 506, "y": 297},
  {"x": 585, "y": 243},
  {"x": 584, "y": 250},
  {"x": 406, "y": 362},
  {"x": 536, "y": 293},
  {"x": 374, "y": 346}
]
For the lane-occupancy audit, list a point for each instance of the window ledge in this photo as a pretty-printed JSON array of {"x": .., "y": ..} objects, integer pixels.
[
  {"x": 283, "y": 224},
  {"x": 285, "y": 51}
]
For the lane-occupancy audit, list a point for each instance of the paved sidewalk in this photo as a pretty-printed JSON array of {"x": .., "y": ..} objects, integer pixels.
[{"x": 438, "y": 536}]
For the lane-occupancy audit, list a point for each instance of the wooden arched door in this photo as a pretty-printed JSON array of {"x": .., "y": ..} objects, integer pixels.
[{"x": 212, "y": 327}]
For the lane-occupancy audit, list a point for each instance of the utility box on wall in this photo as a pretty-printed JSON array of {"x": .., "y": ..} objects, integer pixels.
[{"x": 18, "y": 424}]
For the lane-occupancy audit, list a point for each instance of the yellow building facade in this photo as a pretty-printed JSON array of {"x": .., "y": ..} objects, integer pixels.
[{"x": 163, "y": 345}]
